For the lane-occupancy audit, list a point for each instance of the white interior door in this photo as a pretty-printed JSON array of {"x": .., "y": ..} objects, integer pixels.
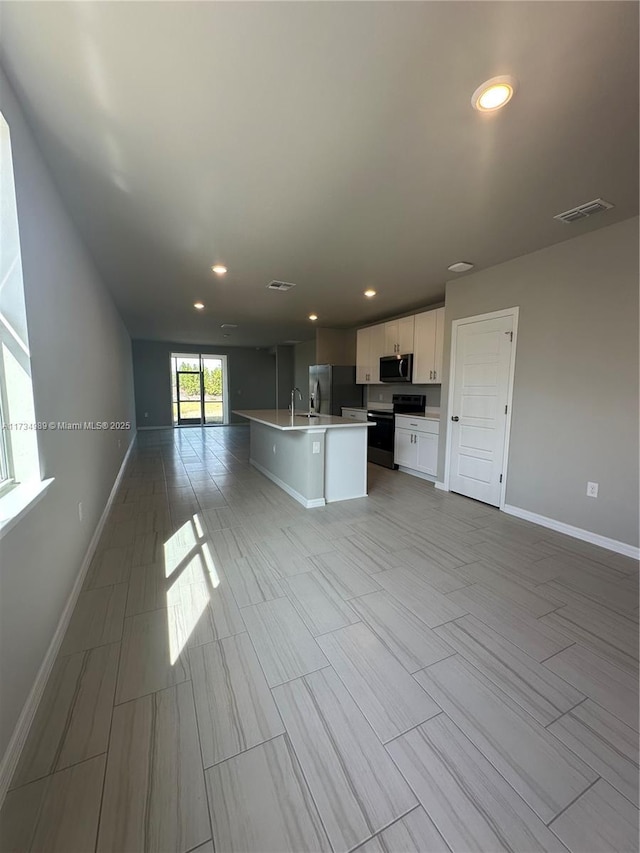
[{"x": 481, "y": 383}]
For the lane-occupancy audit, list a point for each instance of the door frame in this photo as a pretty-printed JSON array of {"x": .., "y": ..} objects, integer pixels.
[
  {"x": 225, "y": 387},
  {"x": 455, "y": 325}
]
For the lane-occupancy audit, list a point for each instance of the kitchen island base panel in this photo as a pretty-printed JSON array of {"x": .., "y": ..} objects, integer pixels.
[
  {"x": 308, "y": 504},
  {"x": 345, "y": 465},
  {"x": 316, "y": 464},
  {"x": 286, "y": 457}
]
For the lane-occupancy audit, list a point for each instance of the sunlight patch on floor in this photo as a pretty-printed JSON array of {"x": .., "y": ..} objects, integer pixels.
[
  {"x": 179, "y": 545},
  {"x": 194, "y": 580}
]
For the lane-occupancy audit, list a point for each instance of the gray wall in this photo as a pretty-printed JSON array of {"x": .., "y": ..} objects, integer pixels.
[
  {"x": 81, "y": 368},
  {"x": 335, "y": 346},
  {"x": 285, "y": 377},
  {"x": 329, "y": 346},
  {"x": 252, "y": 378},
  {"x": 575, "y": 405},
  {"x": 304, "y": 355}
]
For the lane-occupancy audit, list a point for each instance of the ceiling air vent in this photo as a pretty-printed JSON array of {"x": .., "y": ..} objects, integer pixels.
[
  {"x": 280, "y": 285},
  {"x": 584, "y": 210}
]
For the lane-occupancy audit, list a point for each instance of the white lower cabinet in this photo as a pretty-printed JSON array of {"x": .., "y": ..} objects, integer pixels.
[
  {"x": 405, "y": 451},
  {"x": 427, "y": 452},
  {"x": 355, "y": 414},
  {"x": 416, "y": 444}
]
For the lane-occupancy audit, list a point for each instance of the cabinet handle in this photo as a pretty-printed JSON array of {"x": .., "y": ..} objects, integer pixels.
[
  {"x": 431, "y": 374},
  {"x": 434, "y": 374}
]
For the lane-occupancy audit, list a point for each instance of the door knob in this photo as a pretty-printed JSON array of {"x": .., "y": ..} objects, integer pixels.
[{"x": 455, "y": 418}]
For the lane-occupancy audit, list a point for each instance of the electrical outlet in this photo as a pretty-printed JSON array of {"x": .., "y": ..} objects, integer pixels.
[
  {"x": 146, "y": 414},
  {"x": 592, "y": 490},
  {"x": 80, "y": 510},
  {"x": 380, "y": 396},
  {"x": 316, "y": 447}
]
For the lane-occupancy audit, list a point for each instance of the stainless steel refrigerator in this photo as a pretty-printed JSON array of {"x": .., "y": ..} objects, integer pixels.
[{"x": 331, "y": 387}]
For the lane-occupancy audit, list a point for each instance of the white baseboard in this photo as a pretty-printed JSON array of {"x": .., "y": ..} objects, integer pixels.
[
  {"x": 412, "y": 471},
  {"x": 11, "y": 756},
  {"x": 166, "y": 426},
  {"x": 576, "y": 532},
  {"x": 308, "y": 504},
  {"x": 441, "y": 486},
  {"x": 345, "y": 498}
]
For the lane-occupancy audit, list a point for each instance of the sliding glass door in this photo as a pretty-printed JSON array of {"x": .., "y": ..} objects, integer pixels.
[{"x": 198, "y": 389}]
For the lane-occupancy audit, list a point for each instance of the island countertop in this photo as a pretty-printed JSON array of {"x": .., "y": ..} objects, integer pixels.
[{"x": 281, "y": 419}]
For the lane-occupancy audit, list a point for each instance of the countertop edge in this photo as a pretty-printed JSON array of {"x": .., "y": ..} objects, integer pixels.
[{"x": 322, "y": 422}]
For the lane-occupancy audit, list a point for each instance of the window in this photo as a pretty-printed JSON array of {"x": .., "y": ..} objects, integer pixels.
[
  {"x": 19, "y": 462},
  {"x": 199, "y": 389},
  {"x": 5, "y": 468}
]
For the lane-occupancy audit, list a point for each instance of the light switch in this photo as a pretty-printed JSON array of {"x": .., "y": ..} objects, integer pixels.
[{"x": 316, "y": 447}]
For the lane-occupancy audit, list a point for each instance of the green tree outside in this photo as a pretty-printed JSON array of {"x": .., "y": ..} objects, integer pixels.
[{"x": 190, "y": 382}]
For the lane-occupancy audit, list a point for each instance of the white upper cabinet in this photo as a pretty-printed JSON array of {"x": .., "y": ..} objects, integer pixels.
[
  {"x": 428, "y": 347},
  {"x": 369, "y": 348},
  {"x": 363, "y": 356},
  {"x": 398, "y": 336},
  {"x": 377, "y": 351},
  {"x": 437, "y": 364},
  {"x": 422, "y": 334}
]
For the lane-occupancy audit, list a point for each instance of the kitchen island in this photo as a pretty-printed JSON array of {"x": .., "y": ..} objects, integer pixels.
[{"x": 316, "y": 460}]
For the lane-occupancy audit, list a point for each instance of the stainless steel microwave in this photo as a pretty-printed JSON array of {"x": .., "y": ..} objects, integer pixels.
[{"x": 396, "y": 368}]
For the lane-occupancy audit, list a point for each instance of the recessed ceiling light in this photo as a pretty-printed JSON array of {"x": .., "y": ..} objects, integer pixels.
[
  {"x": 369, "y": 293},
  {"x": 219, "y": 269},
  {"x": 198, "y": 305},
  {"x": 313, "y": 316},
  {"x": 493, "y": 94},
  {"x": 461, "y": 266}
]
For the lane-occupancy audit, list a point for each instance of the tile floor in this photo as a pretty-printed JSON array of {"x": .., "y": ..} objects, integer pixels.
[{"x": 412, "y": 671}]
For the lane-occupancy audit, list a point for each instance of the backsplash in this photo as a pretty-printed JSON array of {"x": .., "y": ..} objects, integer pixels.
[{"x": 384, "y": 393}]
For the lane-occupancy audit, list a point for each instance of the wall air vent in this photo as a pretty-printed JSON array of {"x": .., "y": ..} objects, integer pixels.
[
  {"x": 280, "y": 285},
  {"x": 229, "y": 326},
  {"x": 583, "y": 211}
]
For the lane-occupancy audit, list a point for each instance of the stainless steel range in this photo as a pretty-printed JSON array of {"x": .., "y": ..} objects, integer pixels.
[{"x": 380, "y": 443}]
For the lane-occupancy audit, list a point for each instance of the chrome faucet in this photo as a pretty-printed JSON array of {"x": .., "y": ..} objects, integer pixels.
[{"x": 295, "y": 391}]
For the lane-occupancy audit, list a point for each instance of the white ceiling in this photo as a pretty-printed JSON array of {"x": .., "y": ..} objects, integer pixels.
[{"x": 328, "y": 144}]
